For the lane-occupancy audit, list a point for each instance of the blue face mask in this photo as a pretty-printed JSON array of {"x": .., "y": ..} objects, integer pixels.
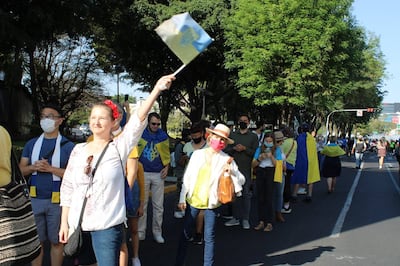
[{"x": 268, "y": 145}]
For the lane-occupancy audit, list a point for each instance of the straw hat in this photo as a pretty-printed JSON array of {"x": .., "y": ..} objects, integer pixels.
[
  {"x": 278, "y": 135},
  {"x": 222, "y": 131}
]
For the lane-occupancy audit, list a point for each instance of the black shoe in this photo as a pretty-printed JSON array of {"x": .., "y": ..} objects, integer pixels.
[{"x": 307, "y": 199}]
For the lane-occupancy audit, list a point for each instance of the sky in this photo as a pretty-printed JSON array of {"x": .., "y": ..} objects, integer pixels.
[
  {"x": 383, "y": 19},
  {"x": 378, "y": 17}
]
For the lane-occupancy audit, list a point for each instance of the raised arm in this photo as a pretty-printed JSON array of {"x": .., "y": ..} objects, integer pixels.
[{"x": 164, "y": 83}]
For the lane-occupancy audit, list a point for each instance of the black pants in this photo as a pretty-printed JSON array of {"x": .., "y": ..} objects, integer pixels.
[
  {"x": 265, "y": 192},
  {"x": 287, "y": 191}
]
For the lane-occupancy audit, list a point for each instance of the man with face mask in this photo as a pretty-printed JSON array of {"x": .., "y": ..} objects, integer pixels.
[
  {"x": 44, "y": 159},
  {"x": 246, "y": 143}
]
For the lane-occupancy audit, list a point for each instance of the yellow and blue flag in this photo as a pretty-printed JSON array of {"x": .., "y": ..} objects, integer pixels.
[
  {"x": 184, "y": 36},
  {"x": 307, "y": 166}
]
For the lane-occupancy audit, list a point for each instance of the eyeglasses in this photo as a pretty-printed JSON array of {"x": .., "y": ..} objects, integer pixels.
[
  {"x": 51, "y": 116},
  {"x": 88, "y": 167},
  {"x": 155, "y": 124}
]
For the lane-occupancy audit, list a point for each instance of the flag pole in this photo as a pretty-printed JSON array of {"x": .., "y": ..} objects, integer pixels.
[{"x": 179, "y": 69}]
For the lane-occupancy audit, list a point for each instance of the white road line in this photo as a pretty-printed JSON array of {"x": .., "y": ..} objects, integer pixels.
[{"x": 339, "y": 222}]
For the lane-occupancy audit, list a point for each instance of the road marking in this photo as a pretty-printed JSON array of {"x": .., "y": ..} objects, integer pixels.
[
  {"x": 396, "y": 186},
  {"x": 339, "y": 222}
]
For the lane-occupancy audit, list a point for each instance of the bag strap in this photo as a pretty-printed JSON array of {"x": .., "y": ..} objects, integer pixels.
[
  {"x": 16, "y": 174},
  {"x": 291, "y": 148},
  {"x": 93, "y": 173}
]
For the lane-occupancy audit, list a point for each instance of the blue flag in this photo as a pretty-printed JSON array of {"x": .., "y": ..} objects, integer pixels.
[{"x": 184, "y": 36}]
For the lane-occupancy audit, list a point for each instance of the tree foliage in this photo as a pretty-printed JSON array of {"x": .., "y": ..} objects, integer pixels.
[
  {"x": 299, "y": 55},
  {"x": 272, "y": 59}
]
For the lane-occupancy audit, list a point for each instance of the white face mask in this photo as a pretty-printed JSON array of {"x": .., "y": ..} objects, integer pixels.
[{"x": 48, "y": 125}]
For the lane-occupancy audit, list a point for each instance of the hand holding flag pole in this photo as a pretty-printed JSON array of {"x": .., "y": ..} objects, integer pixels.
[{"x": 184, "y": 36}]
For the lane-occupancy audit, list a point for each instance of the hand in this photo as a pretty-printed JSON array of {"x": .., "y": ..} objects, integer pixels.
[
  {"x": 164, "y": 83},
  {"x": 182, "y": 206},
  {"x": 140, "y": 210},
  {"x": 43, "y": 166},
  {"x": 63, "y": 234},
  {"x": 239, "y": 147},
  {"x": 164, "y": 172}
]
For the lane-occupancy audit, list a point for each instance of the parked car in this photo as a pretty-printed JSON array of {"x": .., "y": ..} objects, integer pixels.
[
  {"x": 77, "y": 134},
  {"x": 85, "y": 129}
]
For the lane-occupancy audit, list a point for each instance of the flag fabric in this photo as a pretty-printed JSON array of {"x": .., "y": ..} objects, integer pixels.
[
  {"x": 184, "y": 36},
  {"x": 307, "y": 166}
]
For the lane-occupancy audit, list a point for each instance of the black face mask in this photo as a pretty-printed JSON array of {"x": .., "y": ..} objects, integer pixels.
[
  {"x": 242, "y": 125},
  {"x": 197, "y": 140}
]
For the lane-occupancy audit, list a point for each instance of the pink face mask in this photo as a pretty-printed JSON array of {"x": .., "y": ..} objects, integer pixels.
[{"x": 217, "y": 145}]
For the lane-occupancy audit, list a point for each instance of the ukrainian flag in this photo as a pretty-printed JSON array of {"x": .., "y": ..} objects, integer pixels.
[
  {"x": 184, "y": 36},
  {"x": 307, "y": 166}
]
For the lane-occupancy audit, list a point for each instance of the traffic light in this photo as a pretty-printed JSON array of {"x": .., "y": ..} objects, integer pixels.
[{"x": 370, "y": 110}]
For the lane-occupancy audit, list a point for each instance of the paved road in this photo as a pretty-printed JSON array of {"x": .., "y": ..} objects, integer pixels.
[{"x": 356, "y": 225}]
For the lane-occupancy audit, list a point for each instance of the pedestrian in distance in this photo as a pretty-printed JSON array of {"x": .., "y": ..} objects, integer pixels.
[
  {"x": 332, "y": 166},
  {"x": 359, "y": 147},
  {"x": 44, "y": 160},
  {"x": 200, "y": 190},
  {"x": 105, "y": 210},
  {"x": 381, "y": 150}
]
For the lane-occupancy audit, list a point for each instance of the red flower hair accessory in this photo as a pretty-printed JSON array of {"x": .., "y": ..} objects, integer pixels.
[{"x": 113, "y": 107}]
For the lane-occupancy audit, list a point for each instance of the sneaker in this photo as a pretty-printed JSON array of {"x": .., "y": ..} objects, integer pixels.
[
  {"x": 159, "y": 239},
  {"x": 232, "y": 222},
  {"x": 198, "y": 239},
  {"x": 246, "y": 224},
  {"x": 301, "y": 191},
  {"x": 179, "y": 214},
  {"x": 136, "y": 262},
  {"x": 142, "y": 236},
  {"x": 286, "y": 210}
]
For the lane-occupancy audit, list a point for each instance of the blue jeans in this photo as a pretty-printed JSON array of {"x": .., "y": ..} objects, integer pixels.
[
  {"x": 279, "y": 187},
  {"x": 359, "y": 157},
  {"x": 209, "y": 235},
  {"x": 106, "y": 244}
]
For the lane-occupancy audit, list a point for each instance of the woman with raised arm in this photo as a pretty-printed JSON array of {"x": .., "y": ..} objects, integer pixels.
[{"x": 105, "y": 211}]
